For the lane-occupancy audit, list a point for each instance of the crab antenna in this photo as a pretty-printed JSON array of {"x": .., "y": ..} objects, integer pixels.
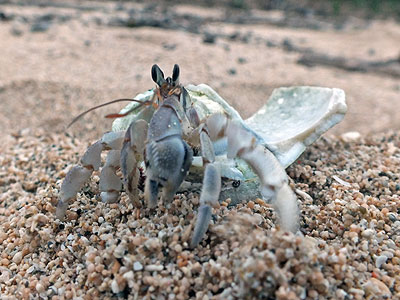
[
  {"x": 118, "y": 115},
  {"x": 101, "y": 105}
]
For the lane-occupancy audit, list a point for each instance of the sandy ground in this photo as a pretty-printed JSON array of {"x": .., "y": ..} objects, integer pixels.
[{"x": 351, "y": 228}]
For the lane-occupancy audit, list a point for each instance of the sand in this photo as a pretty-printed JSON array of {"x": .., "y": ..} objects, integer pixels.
[
  {"x": 348, "y": 195},
  {"x": 348, "y": 188}
]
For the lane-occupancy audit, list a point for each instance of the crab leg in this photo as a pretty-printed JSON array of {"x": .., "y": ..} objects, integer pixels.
[
  {"x": 79, "y": 174},
  {"x": 210, "y": 191},
  {"x": 132, "y": 153},
  {"x": 110, "y": 184},
  {"x": 273, "y": 178}
]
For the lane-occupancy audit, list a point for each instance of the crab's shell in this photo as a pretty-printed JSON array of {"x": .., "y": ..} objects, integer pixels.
[{"x": 290, "y": 120}]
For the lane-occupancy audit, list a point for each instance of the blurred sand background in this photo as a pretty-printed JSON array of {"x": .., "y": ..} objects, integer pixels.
[{"x": 59, "y": 58}]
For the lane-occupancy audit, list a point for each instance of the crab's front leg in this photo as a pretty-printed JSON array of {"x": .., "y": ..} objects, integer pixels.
[
  {"x": 91, "y": 161},
  {"x": 273, "y": 178},
  {"x": 210, "y": 191}
]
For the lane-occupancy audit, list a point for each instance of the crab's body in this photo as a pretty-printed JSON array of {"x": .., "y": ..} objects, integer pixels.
[
  {"x": 206, "y": 102},
  {"x": 162, "y": 129},
  {"x": 279, "y": 127}
]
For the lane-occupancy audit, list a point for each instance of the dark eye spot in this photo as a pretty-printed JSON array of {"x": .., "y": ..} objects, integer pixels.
[{"x": 236, "y": 183}]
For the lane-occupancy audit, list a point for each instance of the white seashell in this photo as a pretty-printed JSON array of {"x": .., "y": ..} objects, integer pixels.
[{"x": 293, "y": 118}]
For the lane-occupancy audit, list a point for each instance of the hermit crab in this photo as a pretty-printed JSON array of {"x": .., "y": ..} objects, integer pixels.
[{"x": 176, "y": 133}]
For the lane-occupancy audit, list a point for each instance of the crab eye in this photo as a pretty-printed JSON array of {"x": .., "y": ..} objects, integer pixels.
[{"x": 236, "y": 183}]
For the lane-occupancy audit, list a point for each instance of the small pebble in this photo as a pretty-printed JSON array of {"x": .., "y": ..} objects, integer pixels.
[
  {"x": 351, "y": 136},
  {"x": 376, "y": 287},
  {"x": 137, "y": 266},
  {"x": 114, "y": 287},
  {"x": 152, "y": 268},
  {"x": 40, "y": 288},
  {"x": 380, "y": 260},
  {"x": 17, "y": 257},
  {"x": 368, "y": 233}
]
